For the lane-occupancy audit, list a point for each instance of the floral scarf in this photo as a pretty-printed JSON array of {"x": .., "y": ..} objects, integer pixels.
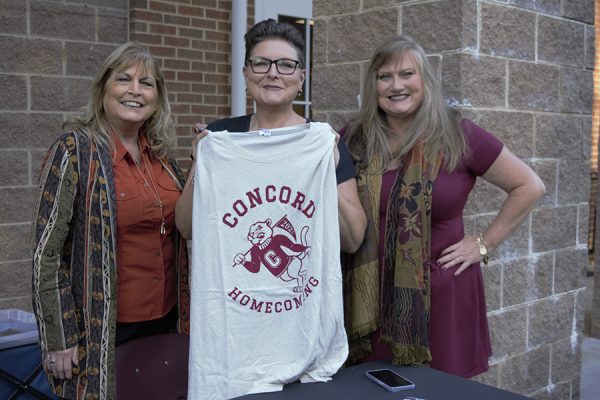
[{"x": 397, "y": 302}]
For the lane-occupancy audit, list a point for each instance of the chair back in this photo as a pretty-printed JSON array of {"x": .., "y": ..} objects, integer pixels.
[{"x": 153, "y": 367}]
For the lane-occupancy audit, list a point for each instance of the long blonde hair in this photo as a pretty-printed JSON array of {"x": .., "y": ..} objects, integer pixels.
[
  {"x": 159, "y": 128},
  {"x": 434, "y": 123}
]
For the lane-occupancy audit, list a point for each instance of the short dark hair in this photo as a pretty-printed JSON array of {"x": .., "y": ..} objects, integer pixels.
[{"x": 271, "y": 29}]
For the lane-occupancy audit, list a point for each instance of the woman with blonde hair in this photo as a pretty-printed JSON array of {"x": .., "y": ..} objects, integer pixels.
[
  {"x": 105, "y": 229},
  {"x": 414, "y": 291}
]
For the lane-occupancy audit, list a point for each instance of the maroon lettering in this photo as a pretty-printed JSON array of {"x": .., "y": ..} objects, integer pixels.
[
  {"x": 256, "y": 305},
  {"x": 240, "y": 208},
  {"x": 235, "y": 293},
  {"x": 284, "y": 194},
  {"x": 254, "y": 197},
  {"x": 271, "y": 194},
  {"x": 269, "y": 307},
  {"x": 309, "y": 210},
  {"x": 269, "y": 190},
  {"x": 298, "y": 301},
  {"x": 298, "y": 200},
  {"x": 272, "y": 259},
  {"x": 230, "y": 222},
  {"x": 245, "y": 300},
  {"x": 307, "y": 291}
]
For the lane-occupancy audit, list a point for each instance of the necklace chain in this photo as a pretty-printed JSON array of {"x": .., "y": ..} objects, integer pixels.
[{"x": 154, "y": 190}]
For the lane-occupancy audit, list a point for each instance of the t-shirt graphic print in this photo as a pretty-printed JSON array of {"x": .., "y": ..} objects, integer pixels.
[{"x": 266, "y": 286}]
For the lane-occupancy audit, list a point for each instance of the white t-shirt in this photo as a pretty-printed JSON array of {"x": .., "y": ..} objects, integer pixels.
[{"x": 266, "y": 286}]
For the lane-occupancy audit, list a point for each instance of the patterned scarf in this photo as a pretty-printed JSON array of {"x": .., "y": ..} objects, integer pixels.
[{"x": 398, "y": 302}]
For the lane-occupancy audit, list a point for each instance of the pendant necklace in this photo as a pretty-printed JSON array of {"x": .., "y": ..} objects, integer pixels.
[{"x": 154, "y": 190}]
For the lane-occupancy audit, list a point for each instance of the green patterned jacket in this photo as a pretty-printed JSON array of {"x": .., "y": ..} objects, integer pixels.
[{"x": 74, "y": 263}]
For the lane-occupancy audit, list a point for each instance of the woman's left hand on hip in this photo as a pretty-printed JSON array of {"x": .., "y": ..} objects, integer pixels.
[{"x": 461, "y": 255}]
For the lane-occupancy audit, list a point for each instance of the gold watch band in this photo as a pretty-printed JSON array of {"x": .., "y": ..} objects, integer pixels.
[{"x": 483, "y": 251}]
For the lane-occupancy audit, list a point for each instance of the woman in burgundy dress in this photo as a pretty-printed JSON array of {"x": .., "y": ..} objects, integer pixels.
[{"x": 414, "y": 291}]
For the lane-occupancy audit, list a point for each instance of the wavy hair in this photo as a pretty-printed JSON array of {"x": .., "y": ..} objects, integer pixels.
[
  {"x": 434, "y": 122},
  {"x": 159, "y": 128}
]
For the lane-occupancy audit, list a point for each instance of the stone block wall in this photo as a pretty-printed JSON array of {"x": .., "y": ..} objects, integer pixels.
[
  {"x": 50, "y": 52},
  {"x": 594, "y": 323},
  {"x": 523, "y": 70},
  {"x": 520, "y": 68}
]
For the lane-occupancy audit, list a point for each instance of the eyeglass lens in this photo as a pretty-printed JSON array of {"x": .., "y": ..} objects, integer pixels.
[{"x": 263, "y": 65}]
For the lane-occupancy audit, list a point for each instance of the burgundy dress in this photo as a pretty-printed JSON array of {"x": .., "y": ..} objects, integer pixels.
[{"x": 459, "y": 336}]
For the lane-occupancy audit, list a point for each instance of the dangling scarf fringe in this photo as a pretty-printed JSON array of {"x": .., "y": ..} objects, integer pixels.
[
  {"x": 407, "y": 354},
  {"x": 397, "y": 303}
]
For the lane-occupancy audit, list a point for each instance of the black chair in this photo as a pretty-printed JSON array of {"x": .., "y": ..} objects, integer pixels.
[
  {"x": 21, "y": 374},
  {"x": 153, "y": 367}
]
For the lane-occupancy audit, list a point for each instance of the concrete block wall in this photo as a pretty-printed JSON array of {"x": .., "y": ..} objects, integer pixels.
[
  {"x": 520, "y": 68},
  {"x": 50, "y": 51},
  {"x": 594, "y": 322},
  {"x": 523, "y": 70}
]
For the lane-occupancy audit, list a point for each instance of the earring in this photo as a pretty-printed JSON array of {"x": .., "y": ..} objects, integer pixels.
[{"x": 299, "y": 92}]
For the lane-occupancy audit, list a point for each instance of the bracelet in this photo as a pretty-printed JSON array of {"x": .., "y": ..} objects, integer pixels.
[{"x": 483, "y": 251}]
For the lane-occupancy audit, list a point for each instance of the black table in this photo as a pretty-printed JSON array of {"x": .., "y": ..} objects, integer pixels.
[{"x": 351, "y": 384}]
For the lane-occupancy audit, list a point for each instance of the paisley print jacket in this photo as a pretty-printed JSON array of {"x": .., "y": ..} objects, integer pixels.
[{"x": 74, "y": 262}]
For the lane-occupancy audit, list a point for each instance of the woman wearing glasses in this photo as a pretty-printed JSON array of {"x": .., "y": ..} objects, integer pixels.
[{"x": 274, "y": 73}]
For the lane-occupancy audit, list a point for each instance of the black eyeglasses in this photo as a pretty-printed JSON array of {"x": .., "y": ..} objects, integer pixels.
[{"x": 284, "y": 66}]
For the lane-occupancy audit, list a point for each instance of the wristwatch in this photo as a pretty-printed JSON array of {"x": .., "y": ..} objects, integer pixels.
[{"x": 482, "y": 249}]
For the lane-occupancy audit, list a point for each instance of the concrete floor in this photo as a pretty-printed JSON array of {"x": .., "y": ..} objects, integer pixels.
[{"x": 590, "y": 357}]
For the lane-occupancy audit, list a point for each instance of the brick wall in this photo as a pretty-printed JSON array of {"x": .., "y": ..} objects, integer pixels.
[
  {"x": 522, "y": 70},
  {"x": 192, "y": 40},
  {"x": 50, "y": 52}
]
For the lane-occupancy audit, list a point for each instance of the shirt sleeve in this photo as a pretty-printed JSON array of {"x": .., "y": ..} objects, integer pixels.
[
  {"x": 216, "y": 126},
  {"x": 345, "y": 169},
  {"x": 483, "y": 147}
]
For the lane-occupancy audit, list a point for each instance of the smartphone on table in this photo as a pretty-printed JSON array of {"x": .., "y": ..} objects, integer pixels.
[{"x": 390, "y": 380}]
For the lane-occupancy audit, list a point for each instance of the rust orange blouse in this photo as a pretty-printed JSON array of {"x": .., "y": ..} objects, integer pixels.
[{"x": 146, "y": 280}]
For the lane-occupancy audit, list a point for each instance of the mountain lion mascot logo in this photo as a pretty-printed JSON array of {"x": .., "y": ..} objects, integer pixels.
[{"x": 277, "y": 252}]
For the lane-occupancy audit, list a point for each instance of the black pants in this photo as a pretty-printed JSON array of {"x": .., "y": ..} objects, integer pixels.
[{"x": 127, "y": 331}]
